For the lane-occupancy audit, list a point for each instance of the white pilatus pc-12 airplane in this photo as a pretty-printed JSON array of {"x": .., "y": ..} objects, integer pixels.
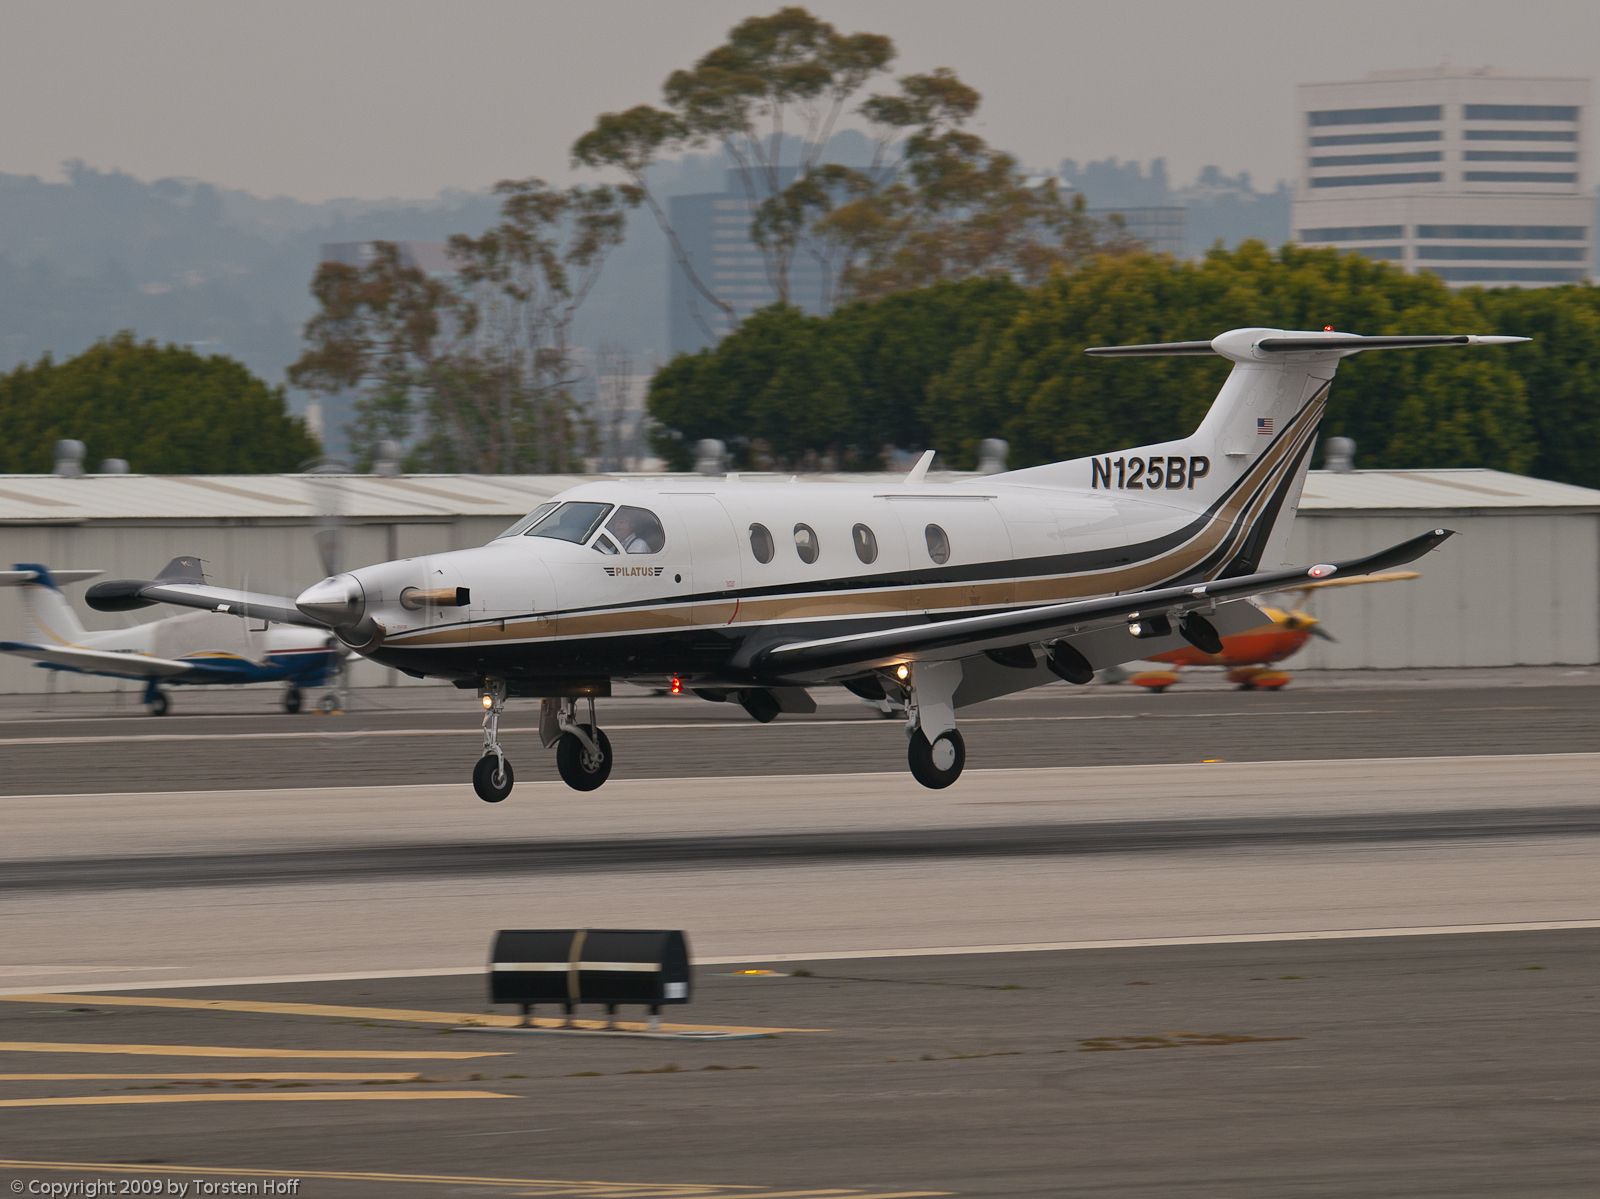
[{"x": 936, "y": 595}]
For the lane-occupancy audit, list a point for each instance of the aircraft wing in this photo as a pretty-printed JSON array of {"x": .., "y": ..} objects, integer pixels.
[
  {"x": 833, "y": 657},
  {"x": 182, "y": 583},
  {"x": 98, "y": 661}
]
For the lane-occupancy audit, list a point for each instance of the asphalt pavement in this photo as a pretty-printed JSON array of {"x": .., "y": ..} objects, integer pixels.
[
  {"x": 1454, "y": 1066},
  {"x": 234, "y": 739}
]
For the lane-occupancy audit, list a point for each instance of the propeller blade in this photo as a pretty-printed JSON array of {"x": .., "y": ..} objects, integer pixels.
[
  {"x": 1317, "y": 630},
  {"x": 327, "y": 501}
]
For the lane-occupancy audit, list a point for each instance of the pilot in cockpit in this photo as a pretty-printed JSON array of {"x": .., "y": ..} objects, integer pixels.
[{"x": 636, "y": 530}]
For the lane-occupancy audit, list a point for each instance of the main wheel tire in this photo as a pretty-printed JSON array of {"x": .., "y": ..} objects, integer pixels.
[
  {"x": 580, "y": 769},
  {"x": 291, "y": 700},
  {"x": 492, "y": 778},
  {"x": 761, "y": 705},
  {"x": 939, "y": 763},
  {"x": 159, "y": 704}
]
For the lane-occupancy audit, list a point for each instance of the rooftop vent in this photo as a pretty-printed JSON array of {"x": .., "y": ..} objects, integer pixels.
[
  {"x": 69, "y": 458},
  {"x": 992, "y": 453},
  {"x": 710, "y": 457},
  {"x": 386, "y": 459},
  {"x": 1339, "y": 455}
]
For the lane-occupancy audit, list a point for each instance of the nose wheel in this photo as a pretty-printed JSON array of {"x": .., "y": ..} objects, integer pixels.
[{"x": 492, "y": 777}]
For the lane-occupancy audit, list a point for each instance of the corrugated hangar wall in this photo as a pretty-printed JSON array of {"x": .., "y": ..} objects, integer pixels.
[
  {"x": 1507, "y": 590},
  {"x": 1518, "y": 585}
]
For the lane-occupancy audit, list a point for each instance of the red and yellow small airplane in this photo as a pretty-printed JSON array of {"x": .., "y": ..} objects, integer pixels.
[{"x": 1249, "y": 655}]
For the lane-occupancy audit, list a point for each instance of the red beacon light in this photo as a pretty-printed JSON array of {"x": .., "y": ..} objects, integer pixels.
[
  {"x": 675, "y": 687},
  {"x": 1327, "y": 328}
]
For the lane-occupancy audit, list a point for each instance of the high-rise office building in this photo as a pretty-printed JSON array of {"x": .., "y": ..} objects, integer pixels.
[
  {"x": 714, "y": 230},
  {"x": 1475, "y": 176}
]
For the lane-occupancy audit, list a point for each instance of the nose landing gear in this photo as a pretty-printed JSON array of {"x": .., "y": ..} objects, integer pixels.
[{"x": 492, "y": 777}]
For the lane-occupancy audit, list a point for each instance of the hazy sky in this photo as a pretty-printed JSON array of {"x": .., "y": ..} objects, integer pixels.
[{"x": 402, "y": 98}]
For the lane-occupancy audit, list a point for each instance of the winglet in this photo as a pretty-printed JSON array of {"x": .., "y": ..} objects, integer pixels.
[
  {"x": 182, "y": 570},
  {"x": 919, "y": 472}
]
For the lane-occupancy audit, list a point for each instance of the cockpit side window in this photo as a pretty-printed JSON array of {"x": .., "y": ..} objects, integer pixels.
[
  {"x": 528, "y": 521},
  {"x": 574, "y": 521},
  {"x": 637, "y": 530}
]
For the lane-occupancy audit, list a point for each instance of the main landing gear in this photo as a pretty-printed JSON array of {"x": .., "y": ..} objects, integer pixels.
[
  {"x": 936, "y": 752},
  {"x": 156, "y": 700},
  {"x": 583, "y": 751}
]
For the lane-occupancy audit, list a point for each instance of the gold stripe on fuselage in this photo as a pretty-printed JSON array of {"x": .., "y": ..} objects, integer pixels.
[{"x": 1250, "y": 499}]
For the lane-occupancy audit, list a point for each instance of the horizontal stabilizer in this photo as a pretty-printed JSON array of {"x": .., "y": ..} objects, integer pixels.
[
  {"x": 1246, "y": 345},
  {"x": 28, "y": 576},
  {"x": 97, "y": 661}
]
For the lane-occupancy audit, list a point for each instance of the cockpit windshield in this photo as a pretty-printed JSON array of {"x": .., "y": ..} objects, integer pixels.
[
  {"x": 575, "y": 521},
  {"x": 528, "y": 521}
]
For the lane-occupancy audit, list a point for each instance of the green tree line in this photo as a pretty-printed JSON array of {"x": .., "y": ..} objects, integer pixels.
[
  {"x": 165, "y": 409},
  {"x": 946, "y": 366}
]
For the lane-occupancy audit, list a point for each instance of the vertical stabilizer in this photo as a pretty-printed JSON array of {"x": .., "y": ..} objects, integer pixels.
[
  {"x": 51, "y": 620},
  {"x": 1245, "y": 466}
]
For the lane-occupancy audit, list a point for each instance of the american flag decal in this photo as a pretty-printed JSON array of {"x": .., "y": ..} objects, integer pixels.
[{"x": 1264, "y": 426}]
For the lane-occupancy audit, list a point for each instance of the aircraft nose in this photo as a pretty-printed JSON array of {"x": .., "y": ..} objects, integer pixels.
[{"x": 337, "y": 602}]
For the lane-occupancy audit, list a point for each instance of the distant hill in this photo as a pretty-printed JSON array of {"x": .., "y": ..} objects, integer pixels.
[{"x": 223, "y": 271}]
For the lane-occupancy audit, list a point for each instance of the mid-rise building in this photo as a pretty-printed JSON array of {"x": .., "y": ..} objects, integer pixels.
[
  {"x": 1475, "y": 176},
  {"x": 714, "y": 230},
  {"x": 1159, "y": 229}
]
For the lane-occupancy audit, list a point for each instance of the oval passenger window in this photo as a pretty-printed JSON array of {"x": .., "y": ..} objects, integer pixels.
[
  {"x": 805, "y": 543},
  {"x": 866, "y": 543},
  {"x": 938, "y": 544},
  {"x": 761, "y": 544}
]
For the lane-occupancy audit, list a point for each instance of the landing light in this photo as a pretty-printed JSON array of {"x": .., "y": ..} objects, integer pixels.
[
  {"x": 486, "y": 700},
  {"x": 902, "y": 672}
]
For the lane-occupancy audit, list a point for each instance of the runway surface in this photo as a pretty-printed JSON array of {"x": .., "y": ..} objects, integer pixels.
[
  {"x": 231, "y": 739},
  {"x": 1260, "y": 1059},
  {"x": 309, "y": 881},
  {"x": 1458, "y": 1066}
]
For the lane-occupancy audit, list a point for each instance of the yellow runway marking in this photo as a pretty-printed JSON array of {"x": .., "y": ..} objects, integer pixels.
[
  {"x": 401, "y": 1015},
  {"x": 589, "y": 1189},
  {"x": 251, "y": 1097},
  {"x": 224, "y": 1076},
  {"x": 235, "y": 1051}
]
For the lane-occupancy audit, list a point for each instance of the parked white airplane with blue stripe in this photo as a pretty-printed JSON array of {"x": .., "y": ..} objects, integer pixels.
[
  {"x": 191, "y": 649},
  {"x": 935, "y": 595}
]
